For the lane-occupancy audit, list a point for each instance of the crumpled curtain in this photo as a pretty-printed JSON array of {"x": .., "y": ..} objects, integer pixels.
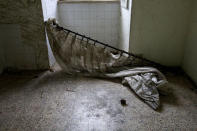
[{"x": 78, "y": 56}]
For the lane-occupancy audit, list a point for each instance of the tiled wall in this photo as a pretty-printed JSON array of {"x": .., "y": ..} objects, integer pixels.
[{"x": 100, "y": 20}]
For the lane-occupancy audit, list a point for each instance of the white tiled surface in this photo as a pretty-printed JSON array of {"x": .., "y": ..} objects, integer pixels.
[{"x": 100, "y": 21}]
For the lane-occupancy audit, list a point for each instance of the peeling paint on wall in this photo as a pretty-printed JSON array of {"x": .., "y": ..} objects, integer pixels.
[{"x": 96, "y": 20}]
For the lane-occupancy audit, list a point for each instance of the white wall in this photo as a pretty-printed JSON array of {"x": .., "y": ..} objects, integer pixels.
[
  {"x": 125, "y": 22},
  {"x": 159, "y": 28},
  {"x": 97, "y": 20},
  {"x": 49, "y": 8},
  {"x": 190, "y": 54}
]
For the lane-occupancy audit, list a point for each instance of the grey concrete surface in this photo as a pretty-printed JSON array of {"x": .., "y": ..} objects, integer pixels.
[{"x": 55, "y": 101}]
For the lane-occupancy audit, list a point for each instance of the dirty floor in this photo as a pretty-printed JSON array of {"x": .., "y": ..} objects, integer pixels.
[{"x": 55, "y": 101}]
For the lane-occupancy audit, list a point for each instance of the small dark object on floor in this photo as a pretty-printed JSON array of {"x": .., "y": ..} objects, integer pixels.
[{"x": 123, "y": 102}]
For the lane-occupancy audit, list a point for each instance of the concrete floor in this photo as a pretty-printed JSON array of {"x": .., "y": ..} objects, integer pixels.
[{"x": 55, "y": 101}]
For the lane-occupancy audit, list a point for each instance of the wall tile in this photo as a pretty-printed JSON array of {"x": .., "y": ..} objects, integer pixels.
[{"x": 96, "y": 20}]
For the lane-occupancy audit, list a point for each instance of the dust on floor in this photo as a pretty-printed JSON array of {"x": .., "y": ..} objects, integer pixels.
[{"x": 55, "y": 101}]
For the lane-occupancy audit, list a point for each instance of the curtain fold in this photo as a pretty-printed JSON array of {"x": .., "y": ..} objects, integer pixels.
[{"x": 78, "y": 56}]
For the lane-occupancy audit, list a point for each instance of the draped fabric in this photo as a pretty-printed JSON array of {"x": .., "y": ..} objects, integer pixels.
[{"x": 79, "y": 56}]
